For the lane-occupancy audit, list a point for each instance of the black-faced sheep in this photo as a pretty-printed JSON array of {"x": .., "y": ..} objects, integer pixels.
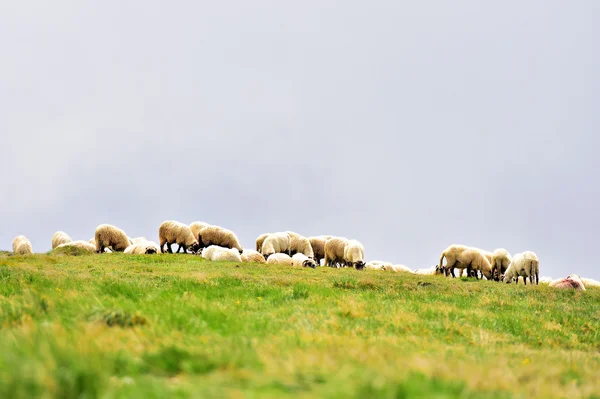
[
  {"x": 301, "y": 260},
  {"x": 172, "y": 232},
  {"x": 216, "y": 235}
]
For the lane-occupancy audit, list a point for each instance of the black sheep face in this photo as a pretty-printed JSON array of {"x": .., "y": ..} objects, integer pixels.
[
  {"x": 359, "y": 265},
  {"x": 194, "y": 247},
  {"x": 150, "y": 251}
]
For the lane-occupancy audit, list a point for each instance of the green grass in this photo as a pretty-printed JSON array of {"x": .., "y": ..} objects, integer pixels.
[{"x": 118, "y": 326}]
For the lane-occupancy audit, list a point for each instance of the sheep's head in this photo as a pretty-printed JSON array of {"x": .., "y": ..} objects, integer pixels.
[
  {"x": 150, "y": 250},
  {"x": 359, "y": 265},
  {"x": 440, "y": 270},
  {"x": 241, "y": 251},
  {"x": 195, "y": 247},
  {"x": 487, "y": 274},
  {"x": 309, "y": 263}
]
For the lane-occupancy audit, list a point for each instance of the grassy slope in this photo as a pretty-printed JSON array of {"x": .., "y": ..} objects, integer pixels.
[{"x": 147, "y": 326}]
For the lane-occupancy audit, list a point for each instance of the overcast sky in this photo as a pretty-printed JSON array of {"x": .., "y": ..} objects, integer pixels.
[{"x": 409, "y": 126}]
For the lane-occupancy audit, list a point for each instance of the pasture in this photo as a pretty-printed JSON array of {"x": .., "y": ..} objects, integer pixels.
[{"x": 117, "y": 326}]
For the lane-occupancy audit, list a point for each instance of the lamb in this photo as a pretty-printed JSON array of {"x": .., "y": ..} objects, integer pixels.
[
  {"x": 197, "y": 227},
  {"x": 110, "y": 236},
  {"x": 276, "y": 243},
  {"x": 318, "y": 247},
  {"x": 279, "y": 259},
  {"x": 216, "y": 235},
  {"x": 22, "y": 246},
  {"x": 354, "y": 255},
  {"x": 334, "y": 251},
  {"x": 60, "y": 237},
  {"x": 250, "y": 256},
  {"x": 300, "y": 245},
  {"x": 218, "y": 254},
  {"x": 500, "y": 261},
  {"x": 462, "y": 257},
  {"x": 301, "y": 260},
  {"x": 172, "y": 232},
  {"x": 143, "y": 248},
  {"x": 571, "y": 282},
  {"x": 260, "y": 240},
  {"x": 526, "y": 265},
  {"x": 86, "y": 246}
]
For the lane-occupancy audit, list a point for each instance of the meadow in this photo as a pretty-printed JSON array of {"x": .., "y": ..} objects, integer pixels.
[{"x": 117, "y": 326}]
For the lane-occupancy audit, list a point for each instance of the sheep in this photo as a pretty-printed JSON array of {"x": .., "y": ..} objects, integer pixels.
[
  {"x": 216, "y": 235},
  {"x": 573, "y": 281},
  {"x": 22, "y": 246},
  {"x": 197, "y": 227},
  {"x": 588, "y": 282},
  {"x": 84, "y": 245},
  {"x": 334, "y": 251},
  {"x": 173, "y": 232},
  {"x": 300, "y": 245},
  {"x": 279, "y": 259},
  {"x": 250, "y": 256},
  {"x": 463, "y": 257},
  {"x": 302, "y": 260},
  {"x": 60, "y": 237},
  {"x": 276, "y": 243},
  {"x": 318, "y": 247},
  {"x": 354, "y": 254},
  {"x": 110, "y": 236},
  {"x": 400, "y": 268},
  {"x": 217, "y": 253},
  {"x": 260, "y": 240},
  {"x": 500, "y": 261},
  {"x": 143, "y": 248},
  {"x": 526, "y": 265},
  {"x": 378, "y": 265},
  {"x": 432, "y": 271}
]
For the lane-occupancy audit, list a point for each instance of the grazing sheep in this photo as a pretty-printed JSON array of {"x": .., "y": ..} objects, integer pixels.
[
  {"x": 250, "y": 256},
  {"x": 221, "y": 254},
  {"x": 318, "y": 247},
  {"x": 279, "y": 259},
  {"x": 463, "y": 257},
  {"x": 260, "y": 240},
  {"x": 354, "y": 254},
  {"x": 22, "y": 246},
  {"x": 276, "y": 243},
  {"x": 571, "y": 282},
  {"x": 500, "y": 261},
  {"x": 86, "y": 246},
  {"x": 197, "y": 227},
  {"x": 301, "y": 260},
  {"x": 173, "y": 232},
  {"x": 526, "y": 265},
  {"x": 588, "y": 282},
  {"x": 334, "y": 251},
  {"x": 301, "y": 245},
  {"x": 143, "y": 248},
  {"x": 60, "y": 237},
  {"x": 216, "y": 235},
  {"x": 112, "y": 237}
]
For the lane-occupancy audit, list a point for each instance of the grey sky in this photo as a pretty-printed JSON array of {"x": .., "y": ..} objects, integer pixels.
[{"x": 407, "y": 125}]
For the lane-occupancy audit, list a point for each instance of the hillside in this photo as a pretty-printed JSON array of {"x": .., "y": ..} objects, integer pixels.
[{"x": 175, "y": 325}]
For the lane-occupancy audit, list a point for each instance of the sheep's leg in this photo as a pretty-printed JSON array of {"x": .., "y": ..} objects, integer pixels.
[
  {"x": 169, "y": 248},
  {"x": 524, "y": 280},
  {"x": 537, "y": 278},
  {"x": 178, "y": 248}
]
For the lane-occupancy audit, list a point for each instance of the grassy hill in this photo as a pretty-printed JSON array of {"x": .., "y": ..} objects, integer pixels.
[{"x": 177, "y": 326}]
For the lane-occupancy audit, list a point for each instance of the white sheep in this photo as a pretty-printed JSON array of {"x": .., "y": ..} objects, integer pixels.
[
  {"x": 588, "y": 282},
  {"x": 432, "y": 271},
  {"x": 463, "y": 257},
  {"x": 260, "y": 240},
  {"x": 378, "y": 265},
  {"x": 250, "y": 256},
  {"x": 218, "y": 254},
  {"x": 197, "y": 227},
  {"x": 80, "y": 244},
  {"x": 22, "y": 246},
  {"x": 301, "y": 260},
  {"x": 276, "y": 243},
  {"x": 500, "y": 261},
  {"x": 571, "y": 282},
  {"x": 300, "y": 245},
  {"x": 401, "y": 269},
  {"x": 112, "y": 237},
  {"x": 279, "y": 259},
  {"x": 217, "y": 235},
  {"x": 354, "y": 254},
  {"x": 526, "y": 265},
  {"x": 143, "y": 248},
  {"x": 173, "y": 232},
  {"x": 60, "y": 237},
  {"x": 334, "y": 251}
]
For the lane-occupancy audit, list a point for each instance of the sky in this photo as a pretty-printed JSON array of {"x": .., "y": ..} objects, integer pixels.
[{"x": 409, "y": 126}]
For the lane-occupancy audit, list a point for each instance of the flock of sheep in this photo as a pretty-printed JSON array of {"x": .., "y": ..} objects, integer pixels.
[{"x": 287, "y": 248}]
